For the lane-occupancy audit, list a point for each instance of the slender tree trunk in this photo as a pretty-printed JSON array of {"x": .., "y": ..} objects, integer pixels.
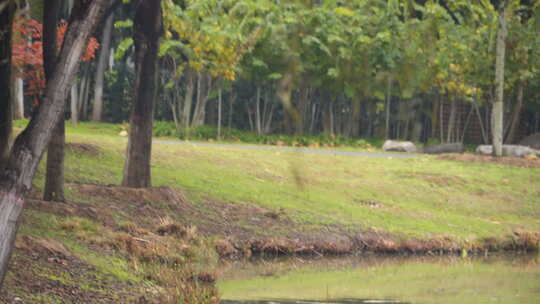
[
  {"x": 267, "y": 122},
  {"x": 220, "y": 99},
  {"x": 18, "y": 95},
  {"x": 516, "y": 115},
  {"x": 6, "y": 103},
  {"x": 332, "y": 129},
  {"x": 198, "y": 98},
  {"x": 139, "y": 150},
  {"x": 74, "y": 107},
  {"x": 388, "y": 103},
  {"x": 466, "y": 126},
  {"x": 451, "y": 120},
  {"x": 434, "y": 121},
  {"x": 202, "y": 100},
  {"x": 536, "y": 122},
  {"x": 231, "y": 103},
  {"x": 258, "y": 110},
  {"x": 97, "y": 111},
  {"x": 314, "y": 115},
  {"x": 85, "y": 97},
  {"x": 497, "y": 112},
  {"x": 16, "y": 178},
  {"x": 188, "y": 100},
  {"x": 111, "y": 59},
  {"x": 83, "y": 90},
  {"x": 441, "y": 119},
  {"x": 249, "y": 117}
]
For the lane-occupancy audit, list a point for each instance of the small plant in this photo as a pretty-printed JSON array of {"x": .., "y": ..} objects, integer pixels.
[{"x": 70, "y": 225}]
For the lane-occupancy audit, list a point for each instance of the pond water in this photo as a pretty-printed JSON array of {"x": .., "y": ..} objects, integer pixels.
[{"x": 450, "y": 279}]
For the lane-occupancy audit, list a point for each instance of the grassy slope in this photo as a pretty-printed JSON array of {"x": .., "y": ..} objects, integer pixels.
[{"x": 418, "y": 197}]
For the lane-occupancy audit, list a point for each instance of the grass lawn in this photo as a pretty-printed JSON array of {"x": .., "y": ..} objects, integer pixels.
[{"x": 420, "y": 197}]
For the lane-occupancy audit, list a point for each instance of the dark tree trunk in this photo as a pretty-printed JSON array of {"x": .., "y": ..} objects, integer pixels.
[
  {"x": 6, "y": 103},
  {"x": 356, "y": 115},
  {"x": 232, "y": 98},
  {"x": 97, "y": 110},
  {"x": 516, "y": 115},
  {"x": 16, "y": 178},
  {"x": 220, "y": 101},
  {"x": 54, "y": 178},
  {"x": 452, "y": 121},
  {"x": 146, "y": 37}
]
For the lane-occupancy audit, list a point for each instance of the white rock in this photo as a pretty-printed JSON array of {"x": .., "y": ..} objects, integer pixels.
[
  {"x": 399, "y": 146},
  {"x": 508, "y": 150}
]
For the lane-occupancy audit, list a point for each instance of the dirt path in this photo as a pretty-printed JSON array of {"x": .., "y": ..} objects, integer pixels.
[{"x": 293, "y": 149}]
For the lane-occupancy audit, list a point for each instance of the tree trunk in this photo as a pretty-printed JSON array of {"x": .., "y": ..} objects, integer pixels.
[
  {"x": 497, "y": 112},
  {"x": 388, "y": 103},
  {"x": 231, "y": 103},
  {"x": 258, "y": 110},
  {"x": 97, "y": 111},
  {"x": 451, "y": 121},
  {"x": 248, "y": 110},
  {"x": 16, "y": 178},
  {"x": 204, "y": 85},
  {"x": 85, "y": 97},
  {"x": 441, "y": 119},
  {"x": 6, "y": 103},
  {"x": 54, "y": 178},
  {"x": 83, "y": 88},
  {"x": 74, "y": 107},
  {"x": 220, "y": 99},
  {"x": 356, "y": 115},
  {"x": 18, "y": 95},
  {"x": 514, "y": 125},
  {"x": 139, "y": 150},
  {"x": 188, "y": 100}
]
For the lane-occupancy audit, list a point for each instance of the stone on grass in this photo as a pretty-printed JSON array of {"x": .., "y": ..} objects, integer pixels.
[
  {"x": 399, "y": 146},
  {"x": 509, "y": 150}
]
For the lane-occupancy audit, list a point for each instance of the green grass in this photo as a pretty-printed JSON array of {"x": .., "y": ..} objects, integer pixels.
[
  {"x": 450, "y": 280},
  {"x": 419, "y": 197},
  {"x": 46, "y": 225}
]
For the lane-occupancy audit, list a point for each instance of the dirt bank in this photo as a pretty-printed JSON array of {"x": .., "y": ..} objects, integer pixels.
[{"x": 243, "y": 230}]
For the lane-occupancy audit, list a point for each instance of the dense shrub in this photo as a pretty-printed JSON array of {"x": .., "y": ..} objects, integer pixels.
[{"x": 165, "y": 128}]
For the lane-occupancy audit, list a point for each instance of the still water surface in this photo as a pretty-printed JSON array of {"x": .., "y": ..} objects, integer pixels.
[{"x": 493, "y": 279}]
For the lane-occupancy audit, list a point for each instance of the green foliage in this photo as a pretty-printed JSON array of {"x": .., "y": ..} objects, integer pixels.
[{"x": 168, "y": 129}]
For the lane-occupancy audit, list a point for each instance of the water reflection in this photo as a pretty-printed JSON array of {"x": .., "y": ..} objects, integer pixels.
[
  {"x": 337, "y": 301},
  {"x": 447, "y": 279}
]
